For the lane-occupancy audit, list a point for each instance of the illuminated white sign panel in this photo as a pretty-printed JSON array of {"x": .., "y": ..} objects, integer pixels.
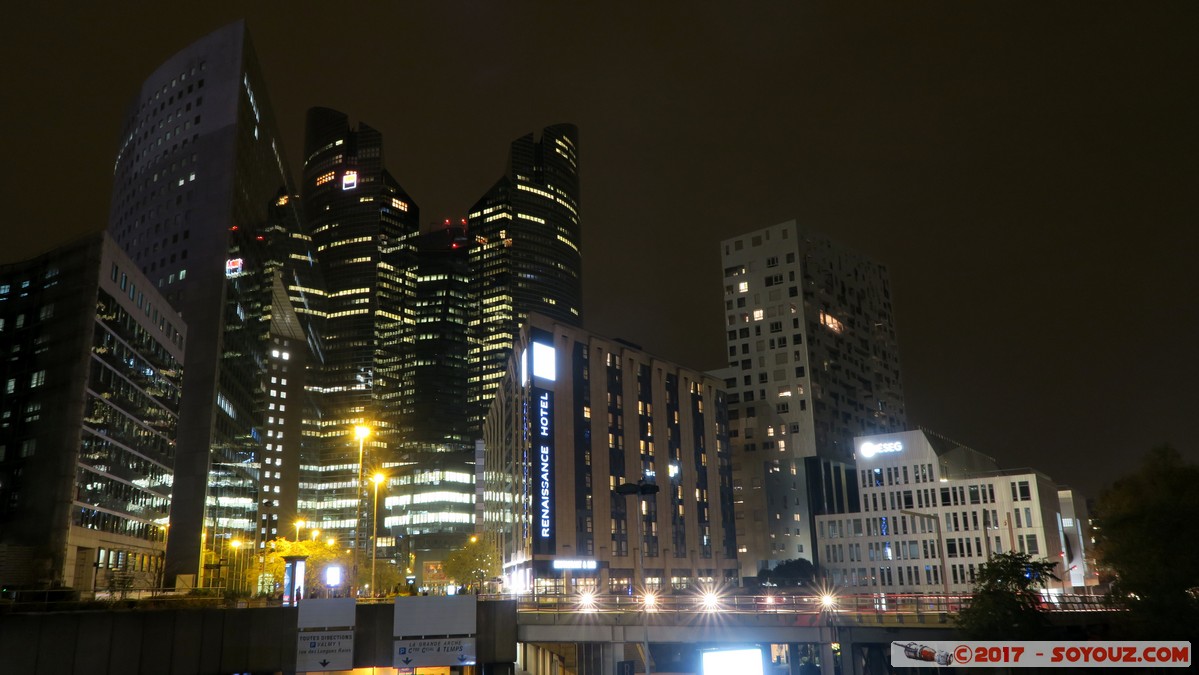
[
  {"x": 349, "y": 180},
  {"x": 574, "y": 564},
  {"x": 726, "y": 661},
  {"x": 543, "y": 362},
  {"x": 233, "y": 267},
  {"x": 868, "y": 449}
]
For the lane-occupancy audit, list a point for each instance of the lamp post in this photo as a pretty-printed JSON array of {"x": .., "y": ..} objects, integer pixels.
[
  {"x": 361, "y": 432},
  {"x": 940, "y": 545},
  {"x": 299, "y": 524},
  {"x": 376, "y": 479},
  {"x": 642, "y": 489},
  {"x": 236, "y": 544}
]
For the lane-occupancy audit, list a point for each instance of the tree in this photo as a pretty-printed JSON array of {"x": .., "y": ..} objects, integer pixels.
[
  {"x": 473, "y": 564},
  {"x": 321, "y": 554},
  {"x": 1149, "y": 540},
  {"x": 798, "y": 572},
  {"x": 1006, "y": 602}
]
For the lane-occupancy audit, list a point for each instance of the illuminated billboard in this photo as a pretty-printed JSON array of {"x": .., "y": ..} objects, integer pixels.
[
  {"x": 868, "y": 449},
  {"x": 742, "y": 661}
]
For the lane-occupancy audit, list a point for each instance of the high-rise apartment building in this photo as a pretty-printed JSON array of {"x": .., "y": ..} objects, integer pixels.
[
  {"x": 813, "y": 363},
  {"x": 365, "y": 228},
  {"x": 200, "y": 166},
  {"x": 576, "y": 417},
  {"x": 88, "y": 420},
  {"x": 527, "y": 252}
]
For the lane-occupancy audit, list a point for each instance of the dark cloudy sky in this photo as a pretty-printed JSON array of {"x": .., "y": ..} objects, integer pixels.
[{"x": 1028, "y": 171}]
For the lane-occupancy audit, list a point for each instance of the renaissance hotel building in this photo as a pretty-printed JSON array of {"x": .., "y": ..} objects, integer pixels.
[{"x": 575, "y": 418}]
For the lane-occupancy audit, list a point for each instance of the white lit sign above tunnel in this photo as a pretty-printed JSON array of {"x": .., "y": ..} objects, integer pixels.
[{"x": 869, "y": 449}]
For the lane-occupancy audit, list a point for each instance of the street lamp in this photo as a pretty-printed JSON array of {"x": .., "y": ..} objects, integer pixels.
[
  {"x": 360, "y": 432},
  {"x": 642, "y": 489},
  {"x": 376, "y": 479},
  {"x": 236, "y": 544},
  {"x": 299, "y": 524},
  {"x": 940, "y": 545}
]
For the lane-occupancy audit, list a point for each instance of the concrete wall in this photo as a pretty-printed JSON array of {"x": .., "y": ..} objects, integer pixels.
[{"x": 203, "y": 641}]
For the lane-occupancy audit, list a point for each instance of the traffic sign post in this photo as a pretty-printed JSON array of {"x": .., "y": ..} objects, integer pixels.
[{"x": 435, "y": 652}]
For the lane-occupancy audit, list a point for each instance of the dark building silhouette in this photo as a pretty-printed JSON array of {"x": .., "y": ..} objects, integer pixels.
[
  {"x": 199, "y": 168},
  {"x": 89, "y": 410},
  {"x": 527, "y": 253}
]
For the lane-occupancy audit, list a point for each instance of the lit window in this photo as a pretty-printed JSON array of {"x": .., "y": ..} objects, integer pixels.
[{"x": 830, "y": 322}]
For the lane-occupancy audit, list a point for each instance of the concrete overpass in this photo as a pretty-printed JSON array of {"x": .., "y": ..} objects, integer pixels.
[{"x": 546, "y": 637}]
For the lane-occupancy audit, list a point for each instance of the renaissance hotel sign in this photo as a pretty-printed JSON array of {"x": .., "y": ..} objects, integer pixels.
[{"x": 541, "y": 435}]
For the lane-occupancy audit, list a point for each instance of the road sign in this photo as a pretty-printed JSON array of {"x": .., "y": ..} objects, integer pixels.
[
  {"x": 434, "y": 615},
  {"x": 325, "y": 650},
  {"x": 439, "y": 652},
  {"x": 326, "y": 613}
]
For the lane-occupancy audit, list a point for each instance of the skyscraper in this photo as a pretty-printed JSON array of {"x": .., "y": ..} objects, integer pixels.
[
  {"x": 433, "y": 491},
  {"x": 527, "y": 253},
  {"x": 88, "y": 419},
  {"x": 199, "y": 161},
  {"x": 813, "y": 363},
  {"x": 365, "y": 229}
]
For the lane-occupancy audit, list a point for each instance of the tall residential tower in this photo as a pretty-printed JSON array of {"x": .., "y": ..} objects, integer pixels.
[{"x": 813, "y": 363}]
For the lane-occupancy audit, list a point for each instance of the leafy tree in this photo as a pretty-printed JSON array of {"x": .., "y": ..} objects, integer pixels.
[
  {"x": 798, "y": 572},
  {"x": 473, "y": 564},
  {"x": 1007, "y": 602},
  {"x": 1149, "y": 540},
  {"x": 321, "y": 554}
]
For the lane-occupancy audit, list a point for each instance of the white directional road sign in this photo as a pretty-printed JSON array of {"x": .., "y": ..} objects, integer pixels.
[
  {"x": 325, "y": 650},
  {"x": 437, "y": 652}
]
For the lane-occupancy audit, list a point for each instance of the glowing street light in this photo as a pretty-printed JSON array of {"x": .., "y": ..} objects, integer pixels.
[
  {"x": 299, "y": 524},
  {"x": 376, "y": 479},
  {"x": 236, "y": 544},
  {"x": 361, "y": 432}
]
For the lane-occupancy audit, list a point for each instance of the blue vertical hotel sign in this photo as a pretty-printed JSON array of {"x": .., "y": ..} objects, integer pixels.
[
  {"x": 543, "y": 457},
  {"x": 542, "y": 434}
]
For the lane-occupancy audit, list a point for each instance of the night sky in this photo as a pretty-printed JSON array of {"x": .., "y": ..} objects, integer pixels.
[{"x": 1029, "y": 172}]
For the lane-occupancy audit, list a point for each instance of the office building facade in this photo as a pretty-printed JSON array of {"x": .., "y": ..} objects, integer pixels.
[
  {"x": 931, "y": 512},
  {"x": 364, "y": 227},
  {"x": 432, "y": 497},
  {"x": 576, "y": 417},
  {"x": 813, "y": 362},
  {"x": 527, "y": 253},
  {"x": 89, "y": 415},
  {"x": 200, "y": 164}
]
